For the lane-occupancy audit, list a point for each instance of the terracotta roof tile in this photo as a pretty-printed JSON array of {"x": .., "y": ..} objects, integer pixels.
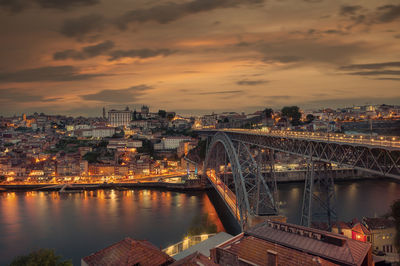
[
  {"x": 129, "y": 252},
  {"x": 378, "y": 223},
  {"x": 255, "y": 250},
  {"x": 330, "y": 246}
]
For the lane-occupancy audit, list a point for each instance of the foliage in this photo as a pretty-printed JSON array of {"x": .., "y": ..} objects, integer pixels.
[
  {"x": 147, "y": 147},
  {"x": 91, "y": 157},
  {"x": 162, "y": 113},
  {"x": 201, "y": 224},
  {"x": 103, "y": 143},
  {"x": 292, "y": 112},
  {"x": 45, "y": 257},
  {"x": 8, "y": 144},
  {"x": 202, "y": 146},
  {"x": 23, "y": 129},
  {"x": 170, "y": 116},
  {"x": 268, "y": 112},
  {"x": 396, "y": 215},
  {"x": 2, "y": 178},
  {"x": 310, "y": 118}
]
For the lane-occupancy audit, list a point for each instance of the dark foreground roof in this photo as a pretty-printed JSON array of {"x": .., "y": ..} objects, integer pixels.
[
  {"x": 129, "y": 252},
  {"x": 326, "y": 245},
  {"x": 378, "y": 223}
]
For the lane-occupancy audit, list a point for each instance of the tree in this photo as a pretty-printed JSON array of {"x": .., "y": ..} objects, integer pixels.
[
  {"x": 91, "y": 156},
  {"x": 292, "y": 112},
  {"x": 396, "y": 215},
  {"x": 40, "y": 257},
  {"x": 162, "y": 113},
  {"x": 170, "y": 116},
  {"x": 310, "y": 118},
  {"x": 268, "y": 113}
]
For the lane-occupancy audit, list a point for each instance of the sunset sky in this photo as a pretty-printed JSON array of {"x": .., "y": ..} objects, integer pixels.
[{"x": 196, "y": 56}]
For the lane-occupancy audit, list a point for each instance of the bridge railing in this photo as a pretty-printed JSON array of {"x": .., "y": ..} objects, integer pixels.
[{"x": 383, "y": 141}]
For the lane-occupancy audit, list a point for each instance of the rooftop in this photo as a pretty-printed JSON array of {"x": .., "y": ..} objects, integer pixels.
[
  {"x": 320, "y": 243},
  {"x": 378, "y": 223},
  {"x": 129, "y": 252}
]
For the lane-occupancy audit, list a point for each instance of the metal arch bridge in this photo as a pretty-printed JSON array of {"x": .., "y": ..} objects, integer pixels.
[{"x": 240, "y": 165}]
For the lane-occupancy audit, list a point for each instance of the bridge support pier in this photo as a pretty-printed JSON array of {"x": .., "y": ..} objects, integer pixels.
[{"x": 319, "y": 195}]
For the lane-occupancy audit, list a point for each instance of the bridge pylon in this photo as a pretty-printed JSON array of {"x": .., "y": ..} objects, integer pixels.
[{"x": 319, "y": 201}]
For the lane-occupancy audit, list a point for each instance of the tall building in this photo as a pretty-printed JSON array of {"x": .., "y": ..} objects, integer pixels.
[
  {"x": 145, "y": 110},
  {"x": 118, "y": 118},
  {"x": 104, "y": 113}
]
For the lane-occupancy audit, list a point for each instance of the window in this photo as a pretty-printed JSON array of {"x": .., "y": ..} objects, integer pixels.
[{"x": 272, "y": 258}]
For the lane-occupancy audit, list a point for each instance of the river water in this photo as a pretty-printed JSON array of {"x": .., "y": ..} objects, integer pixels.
[{"x": 76, "y": 225}]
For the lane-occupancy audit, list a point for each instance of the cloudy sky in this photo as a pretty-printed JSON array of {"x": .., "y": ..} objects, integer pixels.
[{"x": 196, "y": 56}]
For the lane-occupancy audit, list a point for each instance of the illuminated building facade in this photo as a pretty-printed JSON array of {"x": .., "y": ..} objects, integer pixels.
[{"x": 119, "y": 118}]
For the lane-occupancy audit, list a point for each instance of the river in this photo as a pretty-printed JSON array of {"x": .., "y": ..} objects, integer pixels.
[{"x": 76, "y": 225}]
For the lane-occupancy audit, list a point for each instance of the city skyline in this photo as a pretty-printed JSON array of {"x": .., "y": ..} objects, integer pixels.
[{"x": 196, "y": 57}]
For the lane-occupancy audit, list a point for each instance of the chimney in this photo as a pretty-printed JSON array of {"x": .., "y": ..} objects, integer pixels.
[{"x": 272, "y": 258}]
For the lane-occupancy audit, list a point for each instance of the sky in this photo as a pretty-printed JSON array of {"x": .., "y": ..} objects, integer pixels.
[{"x": 73, "y": 57}]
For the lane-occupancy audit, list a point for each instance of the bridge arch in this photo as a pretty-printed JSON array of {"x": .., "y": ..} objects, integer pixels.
[{"x": 252, "y": 194}]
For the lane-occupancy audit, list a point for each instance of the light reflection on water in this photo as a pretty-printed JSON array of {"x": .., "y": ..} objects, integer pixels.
[
  {"x": 354, "y": 199},
  {"x": 78, "y": 224}
]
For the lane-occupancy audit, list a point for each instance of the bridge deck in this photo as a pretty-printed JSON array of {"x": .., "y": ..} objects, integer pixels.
[
  {"x": 226, "y": 194},
  {"x": 362, "y": 140}
]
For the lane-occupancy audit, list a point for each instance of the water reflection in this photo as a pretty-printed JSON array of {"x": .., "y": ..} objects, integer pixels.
[{"x": 78, "y": 224}]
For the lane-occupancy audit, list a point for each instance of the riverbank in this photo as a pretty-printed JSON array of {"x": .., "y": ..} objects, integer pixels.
[
  {"x": 340, "y": 174},
  {"x": 188, "y": 185}
]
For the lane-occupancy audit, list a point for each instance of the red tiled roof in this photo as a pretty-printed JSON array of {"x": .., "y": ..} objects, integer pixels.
[
  {"x": 129, "y": 252},
  {"x": 255, "y": 250},
  {"x": 342, "y": 225},
  {"x": 378, "y": 223},
  {"x": 323, "y": 244}
]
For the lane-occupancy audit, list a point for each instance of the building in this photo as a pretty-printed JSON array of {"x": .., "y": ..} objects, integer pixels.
[
  {"x": 185, "y": 147},
  {"x": 119, "y": 118},
  {"x": 382, "y": 232},
  {"x": 128, "y": 252},
  {"x": 124, "y": 143},
  {"x": 276, "y": 243},
  {"x": 103, "y": 132},
  {"x": 84, "y": 168},
  {"x": 145, "y": 111},
  {"x": 171, "y": 143}
]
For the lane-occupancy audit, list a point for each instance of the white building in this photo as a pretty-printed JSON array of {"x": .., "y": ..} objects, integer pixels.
[
  {"x": 103, "y": 132},
  {"x": 170, "y": 143},
  {"x": 118, "y": 118}
]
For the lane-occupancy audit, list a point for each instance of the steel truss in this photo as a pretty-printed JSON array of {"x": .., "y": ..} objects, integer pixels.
[
  {"x": 250, "y": 186},
  {"x": 319, "y": 187},
  {"x": 383, "y": 161},
  {"x": 319, "y": 195}
]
